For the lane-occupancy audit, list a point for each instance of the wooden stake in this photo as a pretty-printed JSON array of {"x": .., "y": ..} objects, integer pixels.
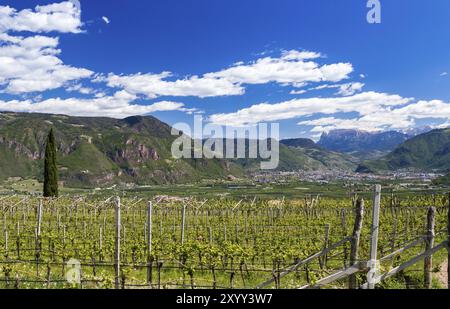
[
  {"x": 355, "y": 240},
  {"x": 374, "y": 237},
  {"x": 149, "y": 243},
  {"x": 183, "y": 222},
  {"x": 429, "y": 243},
  {"x": 117, "y": 246}
]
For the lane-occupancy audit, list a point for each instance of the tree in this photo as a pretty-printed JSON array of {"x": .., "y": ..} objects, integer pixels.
[{"x": 50, "y": 169}]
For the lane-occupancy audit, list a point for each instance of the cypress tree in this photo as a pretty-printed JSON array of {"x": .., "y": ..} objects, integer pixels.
[{"x": 50, "y": 169}]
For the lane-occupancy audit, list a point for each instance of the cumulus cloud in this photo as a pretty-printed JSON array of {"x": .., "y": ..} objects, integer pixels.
[
  {"x": 79, "y": 88},
  {"x": 61, "y": 17},
  {"x": 346, "y": 89},
  {"x": 118, "y": 105},
  {"x": 157, "y": 85},
  {"x": 293, "y": 67},
  {"x": 350, "y": 88},
  {"x": 31, "y": 64},
  {"x": 376, "y": 111},
  {"x": 365, "y": 103}
]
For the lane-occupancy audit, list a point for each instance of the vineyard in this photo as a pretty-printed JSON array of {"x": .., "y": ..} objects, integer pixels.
[{"x": 169, "y": 243}]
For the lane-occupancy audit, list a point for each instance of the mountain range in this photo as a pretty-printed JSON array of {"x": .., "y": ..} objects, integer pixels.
[
  {"x": 362, "y": 144},
  {"x": 96, "y": 151},
  {"x": 426, "y": 152}
]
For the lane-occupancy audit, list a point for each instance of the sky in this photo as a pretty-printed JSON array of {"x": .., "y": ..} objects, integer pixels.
[{"x": 311, "y": 66}]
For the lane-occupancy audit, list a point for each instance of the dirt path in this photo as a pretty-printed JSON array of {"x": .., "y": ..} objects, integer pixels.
[{"x": 442, "y": 275}]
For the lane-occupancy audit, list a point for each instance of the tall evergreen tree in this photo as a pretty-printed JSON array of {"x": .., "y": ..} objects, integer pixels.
[{"x": 50, "y": 169}]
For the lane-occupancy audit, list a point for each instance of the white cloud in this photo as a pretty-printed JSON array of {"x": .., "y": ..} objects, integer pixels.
[
  {"x": 31, "y": 64},
  {"x": 79, "y": 88},
  {"x": 156, "y": 85},
  {"x": 362, "y": 76},
  {"x": 376, "y": 111},
  {"x": 291, "y": 68},
  {"x": 350, "y": 88},
  {"x": 61, "y": 17},
  {"x": 116, "y": 106},
  {"x": 346, "y": 89},
  {"x": 298, "y": 91},
  {"x": 399, "y": 118},
  {"x": 364, "y": 103},
  {"x": 444, "y": 74},
  {"x": 106, "y": 20}
]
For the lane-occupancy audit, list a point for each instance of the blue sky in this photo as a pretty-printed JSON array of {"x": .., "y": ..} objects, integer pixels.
[{"x": 312, "y": 66}]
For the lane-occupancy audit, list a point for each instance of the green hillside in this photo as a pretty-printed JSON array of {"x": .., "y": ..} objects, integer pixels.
[
  {"x": 99, "y": 151},
  {"x": 426, "y": 152},
  {"x": 137, "y": 150}
]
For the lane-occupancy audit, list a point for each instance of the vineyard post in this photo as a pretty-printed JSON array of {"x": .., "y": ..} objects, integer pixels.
[
  {"x": 18, "y": 240},
  {"x": 117, "y": 246},
  {"x": 355, "y": 239},
  {"x": 344, "y": 234},
  {"x": 6, "y": 243},
  {"x": 100, "y": 244},
  {"x": 39, "y": 218},
  {"x": 429, "y": 243},
  {"x": 374, "y": 237},
  {"x": 394, "y": 238},
  {"x": 149, "y": 243},
  {"x": 210, "y": 235},
  {"x": 327, "y": 239},
  {"x": 183, "y": 222},
  {"x": 38, "y": 236}
]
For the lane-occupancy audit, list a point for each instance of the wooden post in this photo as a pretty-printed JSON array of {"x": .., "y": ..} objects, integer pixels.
[
  {"x": 429, "y": 243},
  {"x": 117, "y": 246},
  {"x": 18, "y": 240},
  {"x": 374, "y": 237},
  {"x": 39, "y": 218},
  {"x": 326, "y": 243},
  {"x": 344, "y": 234},
  {"x": 100, "y": 244},
  {"x": 210, "y": 235},
  {"x": 393, "y": 239},
  {"x": 355, "y": 240},
  {"x": 149, "y": 243},
  {"x": 6, "y": 244},
  {"x": 183, "y": 222}
]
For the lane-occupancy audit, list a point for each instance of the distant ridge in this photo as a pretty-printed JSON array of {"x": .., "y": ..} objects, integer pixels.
[
  {"x": 426, "y": 152},
  {"x": 99, "y": 151},
  {"x": 351, "y": 141}
]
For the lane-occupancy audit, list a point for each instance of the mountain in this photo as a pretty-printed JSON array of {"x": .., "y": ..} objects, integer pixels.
[
  {"x": 365, "y": 145},
  {"x": 444, "y": 180},
  {"x": 96, "y": 151},
  {"x": 300, "y": 143},
  {"x": 100, "y": 151},
  {"x": 320, "y": 157},
  {"x": 425, "y": 152}
]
